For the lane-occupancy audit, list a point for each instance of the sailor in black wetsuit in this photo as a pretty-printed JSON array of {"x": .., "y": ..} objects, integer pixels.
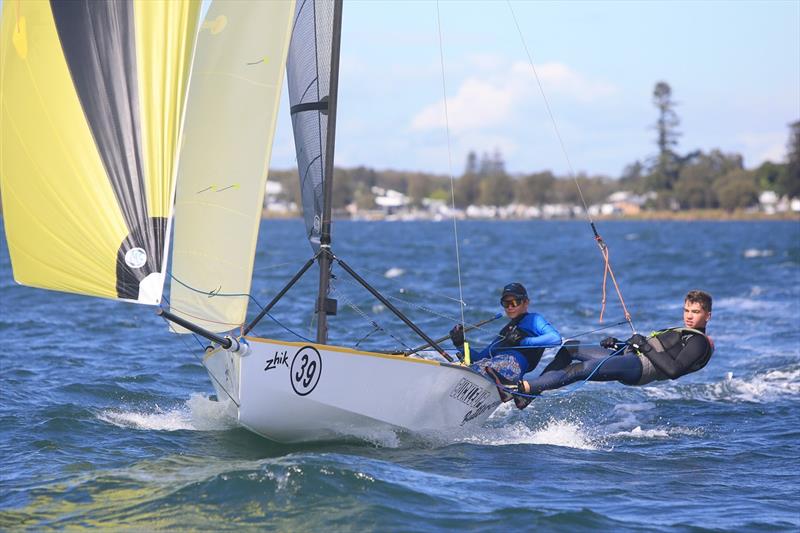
[{"x": 667, "y": 354}]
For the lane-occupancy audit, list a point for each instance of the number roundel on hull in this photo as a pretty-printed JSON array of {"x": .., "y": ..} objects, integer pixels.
[{"x": 306, "y": 370}]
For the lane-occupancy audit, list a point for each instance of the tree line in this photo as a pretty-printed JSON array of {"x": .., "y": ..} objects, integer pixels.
[{"x": 693, "y": 180}]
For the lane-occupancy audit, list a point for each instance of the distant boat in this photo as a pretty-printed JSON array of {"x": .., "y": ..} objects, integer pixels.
[{"x": 102, "y": 128}]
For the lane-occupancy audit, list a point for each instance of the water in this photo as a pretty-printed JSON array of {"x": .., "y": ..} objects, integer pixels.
[{"x": 106, "y": 420}]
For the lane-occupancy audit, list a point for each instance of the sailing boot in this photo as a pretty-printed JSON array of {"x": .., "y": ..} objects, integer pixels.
[
  {"x": 504, "y": 386},
  {"x": 522, "y": 401}
]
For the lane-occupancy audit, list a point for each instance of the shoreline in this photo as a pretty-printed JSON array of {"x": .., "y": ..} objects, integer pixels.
[{"x": 717, "y": 215}]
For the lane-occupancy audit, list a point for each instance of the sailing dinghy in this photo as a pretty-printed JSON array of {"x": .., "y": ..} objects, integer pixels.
[{"x": 110, "y": 135}]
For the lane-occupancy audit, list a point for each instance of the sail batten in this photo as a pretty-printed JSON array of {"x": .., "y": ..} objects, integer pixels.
[
  {"x": 84, "y": 210},
  {"x": 229, "y": 128}
]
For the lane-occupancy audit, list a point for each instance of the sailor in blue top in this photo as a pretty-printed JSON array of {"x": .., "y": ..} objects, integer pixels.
[{"x": 518, "y": 347}]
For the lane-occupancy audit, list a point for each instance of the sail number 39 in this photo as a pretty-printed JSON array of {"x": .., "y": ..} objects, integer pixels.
[{"x": 305, "y": 370}]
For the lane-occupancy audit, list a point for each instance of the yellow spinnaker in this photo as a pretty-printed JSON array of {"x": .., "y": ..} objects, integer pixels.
[{"x": 91, "y": 99}]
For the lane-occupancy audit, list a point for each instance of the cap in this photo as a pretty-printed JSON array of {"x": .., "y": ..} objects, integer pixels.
[{"x": 516, "y": 290}]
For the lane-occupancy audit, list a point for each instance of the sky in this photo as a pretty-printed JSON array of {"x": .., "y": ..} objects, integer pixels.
[{"x": 734, "y": 69}]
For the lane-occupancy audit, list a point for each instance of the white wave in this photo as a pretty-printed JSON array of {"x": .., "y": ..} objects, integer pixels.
[
  {"x": 382, "y": 437},
  {"x": 394, "y": 272},
  {"x": 656, "y": 433},
  {"x": 755, "y": 290},
  {"x": 628, "y": 414},
  {"x": 748, "y": 304},
  {"x": 198, "y": 414},
  {"x": 640, "y": 433},
  {"x": 634, "y": 407},
  {"x": 763, "y": 387},
  {"x": 555, "y": 433},
  {"x": 631, "y": 236},
  {"x": 754, "y": 252},
  {"x": 663, "y": 392}
]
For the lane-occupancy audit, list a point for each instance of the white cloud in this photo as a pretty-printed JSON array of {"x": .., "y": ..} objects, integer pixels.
[
  {"x": 477, "y": 104},
  {"x": 495, "y": 93}
]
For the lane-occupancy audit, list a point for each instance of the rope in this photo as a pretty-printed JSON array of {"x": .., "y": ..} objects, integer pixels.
[
  {"x": 601, "y": 244},
  {"x": 401, "y": 288},
  {"x": 450, "y": 164},
  {"x": 363, "y": 315},
  {"x": 411, "y": 304},
  {"x": 239, "y": 325},
  {"x": 607, "y": 270}
]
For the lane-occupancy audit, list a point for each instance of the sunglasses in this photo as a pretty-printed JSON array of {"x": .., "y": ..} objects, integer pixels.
[{"x": 510, "y": 302}]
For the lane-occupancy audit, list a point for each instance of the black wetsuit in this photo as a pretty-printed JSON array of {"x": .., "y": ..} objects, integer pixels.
[
  {"x": 679, "y": 351},
  {"x": 669, "y": 354}
]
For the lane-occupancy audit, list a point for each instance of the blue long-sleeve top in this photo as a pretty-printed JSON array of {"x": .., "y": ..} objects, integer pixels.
[{"x": 537, "y": 332}]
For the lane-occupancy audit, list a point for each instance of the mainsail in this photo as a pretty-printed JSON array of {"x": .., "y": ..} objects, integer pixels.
[
  {"x": 92, "y": 98},
  {"x": 230, "y": 123},
  {"x": 308, "y": 77}
]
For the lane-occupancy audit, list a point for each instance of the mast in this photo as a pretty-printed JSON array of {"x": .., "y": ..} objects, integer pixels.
[{"x": 324, "y": 304}]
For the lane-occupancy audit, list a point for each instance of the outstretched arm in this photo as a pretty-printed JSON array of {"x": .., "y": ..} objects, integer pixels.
[
  {"x": 544, "y": 334},
  {"x": 695, "y": 349}
]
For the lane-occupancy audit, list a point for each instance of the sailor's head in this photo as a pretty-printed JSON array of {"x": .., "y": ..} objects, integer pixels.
[
  {"x": 696, "y": 309},
  {"x": 514, "y": 299}
]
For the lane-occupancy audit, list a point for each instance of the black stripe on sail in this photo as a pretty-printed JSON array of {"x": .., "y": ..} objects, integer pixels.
[
  {"x": 311, "y": 106},
  {"x": 98, "y": 41}
]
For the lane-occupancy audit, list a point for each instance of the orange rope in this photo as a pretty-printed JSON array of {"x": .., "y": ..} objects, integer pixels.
[{"x": 606, "y": 271}]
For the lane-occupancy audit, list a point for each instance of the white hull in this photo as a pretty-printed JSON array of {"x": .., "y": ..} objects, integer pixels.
[{"x": 295, "y": 392}]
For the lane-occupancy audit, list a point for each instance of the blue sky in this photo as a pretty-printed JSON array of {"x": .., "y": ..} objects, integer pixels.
[{"x": 734, "y": 68}]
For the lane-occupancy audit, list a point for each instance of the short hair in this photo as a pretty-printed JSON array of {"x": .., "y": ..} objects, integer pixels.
[{"x": 700, "y": 297}]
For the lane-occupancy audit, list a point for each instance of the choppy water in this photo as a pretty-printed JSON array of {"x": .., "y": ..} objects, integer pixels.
[{"x": 105, "y": 418}]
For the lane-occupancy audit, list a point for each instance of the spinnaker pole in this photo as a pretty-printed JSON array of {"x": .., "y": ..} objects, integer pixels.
[{"x": 324, "y": 306}]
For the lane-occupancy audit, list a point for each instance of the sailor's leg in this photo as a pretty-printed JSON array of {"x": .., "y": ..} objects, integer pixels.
[
  {"x": 505, "y": 369},
  {"x": 588, "y": 353},
  {"x": 507, "y": 365},
  {"x": 563, "y": 357},
  {"x": 557, "y": 378},
  {"x": 626, "y": 368},
  {"x": 572, "y": 351}
]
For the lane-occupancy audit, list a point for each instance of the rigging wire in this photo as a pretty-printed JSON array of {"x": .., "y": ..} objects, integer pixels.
[
  {"x": 417, "y": 306},
  {"x": 364, "y": 315},
  {"x": 214, "y": 294},
  {"x": 450, "y": 164},
  {"x": 401, "y": 288},
  {"x": 600, "y": 242},
  {"x": 479, "y": 328}
]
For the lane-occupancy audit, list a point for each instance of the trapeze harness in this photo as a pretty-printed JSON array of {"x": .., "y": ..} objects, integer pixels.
[
  {"x": 672, "y": 342},
  {"x": 531, "y": 355}
]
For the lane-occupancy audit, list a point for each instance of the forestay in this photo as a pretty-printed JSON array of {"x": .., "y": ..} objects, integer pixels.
[
  {"x": 92, "y": 97},
  {"x": 308, "y": 78},
  {"x": 230, "y": 122}
]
